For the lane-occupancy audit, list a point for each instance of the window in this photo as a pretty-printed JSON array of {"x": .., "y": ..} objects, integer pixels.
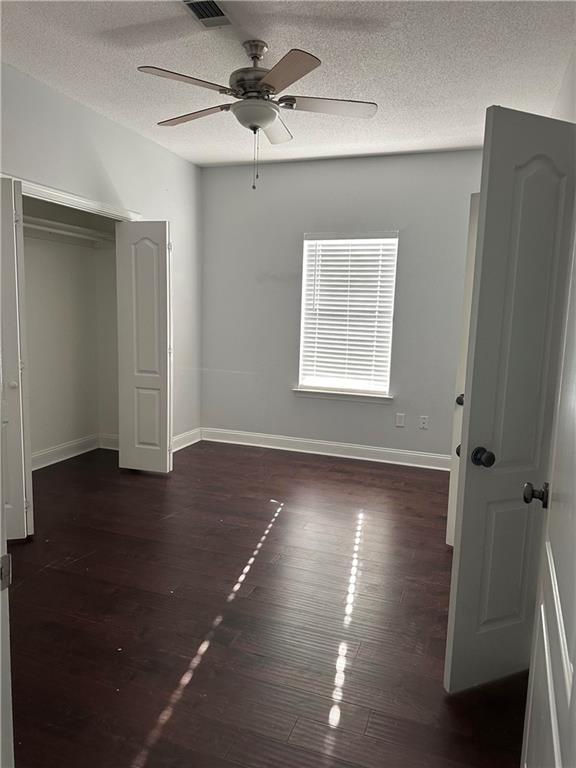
[{"x": 347, "y": 310}]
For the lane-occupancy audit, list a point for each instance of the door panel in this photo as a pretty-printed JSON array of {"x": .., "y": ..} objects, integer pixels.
[
  {"x": 17, "y": 459},
  {"x": 148, "y": 417},
  {"x": 144, "y": 332},
  {"x": 504, "y": 592},
  {"x": 518, "y": 303},
  {"x": 529, "y": 317}
]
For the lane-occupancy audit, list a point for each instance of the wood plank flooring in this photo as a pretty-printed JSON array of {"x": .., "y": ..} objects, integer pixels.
[{"x": 256, "y": 609}]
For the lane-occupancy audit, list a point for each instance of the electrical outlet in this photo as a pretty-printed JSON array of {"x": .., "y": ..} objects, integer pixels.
[
  {"x": 400, "y": 419},
  {"x": 423, "y": 422}
]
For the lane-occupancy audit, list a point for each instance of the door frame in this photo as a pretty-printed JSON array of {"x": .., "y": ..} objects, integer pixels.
[
  {"x": 52, "y": 195},
  {"x": 6, "y": 726},
  {"x": 69, "y": 200}
]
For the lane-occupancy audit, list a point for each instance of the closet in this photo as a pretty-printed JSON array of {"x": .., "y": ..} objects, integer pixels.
[
  {"x": 86, "y": 340},
  {"x": 71, "y": 331}
]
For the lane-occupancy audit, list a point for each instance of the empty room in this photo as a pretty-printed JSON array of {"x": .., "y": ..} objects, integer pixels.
[{"x": 288, "y": 370}]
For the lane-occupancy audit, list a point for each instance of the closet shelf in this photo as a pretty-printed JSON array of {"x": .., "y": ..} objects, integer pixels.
[{"x": 71, "y": 230}]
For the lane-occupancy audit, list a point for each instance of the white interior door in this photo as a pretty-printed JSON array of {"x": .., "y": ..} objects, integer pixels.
[
  {"x": 550, "y": 731},
  {"x": 461, "y": 372},
  {"x": 518, "y": 309},
  {"x": 144, "y": 345},
  {"x": 16, "y": 455}
]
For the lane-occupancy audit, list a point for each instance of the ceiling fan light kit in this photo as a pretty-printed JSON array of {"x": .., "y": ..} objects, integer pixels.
[
  {"x": 255, "y": 114},
  {"x": 255, "y": 88}
]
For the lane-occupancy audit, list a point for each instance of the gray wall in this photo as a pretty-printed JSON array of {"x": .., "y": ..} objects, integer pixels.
[
  {"x": 52, "y": 140},
  {"x": 61, "y": 333},
  {"x": 252, "y": 259},
  {"x": 565, "y": 106},
  {"x": 70, "y": 298},
  {"x": 107, "y": 342}
]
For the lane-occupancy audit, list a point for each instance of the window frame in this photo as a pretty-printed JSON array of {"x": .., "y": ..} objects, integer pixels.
[{"x": 336, "y": 393}]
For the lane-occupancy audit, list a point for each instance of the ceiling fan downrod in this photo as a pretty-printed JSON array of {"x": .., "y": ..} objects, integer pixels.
[{"x": 255, "y": 50}]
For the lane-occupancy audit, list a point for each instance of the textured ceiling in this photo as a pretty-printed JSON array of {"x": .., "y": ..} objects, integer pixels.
[{"x": 433, "y": 67}]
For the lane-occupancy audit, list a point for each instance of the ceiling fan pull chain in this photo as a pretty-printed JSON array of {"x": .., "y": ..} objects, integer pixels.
[
  {"x": 258, "y": 154},
  {"x": 254, "y": 176}
]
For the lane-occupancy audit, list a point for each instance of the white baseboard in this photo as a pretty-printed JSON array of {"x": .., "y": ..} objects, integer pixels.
[
  {"x": 324, "y": 447},
  {"x": 64, "y": 451},
  {"x": 110, "y": 442},
  {"x": 328, "y": 448},
  {"x": 184, "y": 439}
]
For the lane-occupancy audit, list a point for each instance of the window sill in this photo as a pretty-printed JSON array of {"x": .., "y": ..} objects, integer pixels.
[{"x": 338, "y": 394}]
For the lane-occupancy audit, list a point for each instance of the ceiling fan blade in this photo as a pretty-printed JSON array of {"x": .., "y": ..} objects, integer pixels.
[
  {"x": 290, "y": 68},
  {"x": 185, "y": 79},
  {"x": 277, "y": 132},
  {"x": 343, "y": 107},
  {"x": 195, "y": 115}
]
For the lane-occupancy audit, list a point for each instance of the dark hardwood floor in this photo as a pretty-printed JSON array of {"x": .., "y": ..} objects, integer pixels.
[{"x": 256, "y": 608}]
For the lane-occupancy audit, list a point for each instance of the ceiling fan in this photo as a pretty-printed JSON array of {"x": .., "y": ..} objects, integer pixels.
[{"x": 256, "y": 87}]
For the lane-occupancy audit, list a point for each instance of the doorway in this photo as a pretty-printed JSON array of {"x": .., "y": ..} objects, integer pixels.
[
  {"x": 76, "y": 378},
  {"x": 71, "y": 328}
]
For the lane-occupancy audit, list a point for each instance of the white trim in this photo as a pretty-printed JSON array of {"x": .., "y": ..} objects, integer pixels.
[
  {"x": 108, "y": 442},
  {"x": 51, "y": 195},
  {"x": 185, "y": 439},
  {"x": 391, "y": 234},
  {"x": 550, "y": 686},
  {"x": 342, "y": 394},
  {"x": 560, "y": 628},
  {"x": 328, "y": 448},
  {"x": 281, "y": 442},
  {"x": 63, "y": 451}
]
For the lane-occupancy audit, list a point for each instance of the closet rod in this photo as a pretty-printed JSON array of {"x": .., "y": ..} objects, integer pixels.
[{"x": 45, "y": 225}]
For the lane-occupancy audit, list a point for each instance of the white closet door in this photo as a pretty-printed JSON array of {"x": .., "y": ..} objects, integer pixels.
[
  {"x": 144, "y": 345},
  {"x": 16, "y": 454}
]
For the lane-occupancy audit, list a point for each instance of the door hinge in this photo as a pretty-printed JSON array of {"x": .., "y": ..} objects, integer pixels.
[
  {"x": 169, "y": 247},
  {"x": 5, "y": 571},
  {"x": 16, "y": 218},
  {"x": 26, "y": 505}
]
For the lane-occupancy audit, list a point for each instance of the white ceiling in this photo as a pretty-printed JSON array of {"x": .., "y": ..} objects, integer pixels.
[{"x": 433, "y": 67}]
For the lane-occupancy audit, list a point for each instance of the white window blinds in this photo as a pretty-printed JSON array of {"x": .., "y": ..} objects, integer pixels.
[{"x": 347, "y": 310}]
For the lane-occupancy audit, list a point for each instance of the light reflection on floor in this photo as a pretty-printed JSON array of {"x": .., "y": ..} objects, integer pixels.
[
  {"x": 341, "y": 660},
  {"x": 141, "y": 760}
]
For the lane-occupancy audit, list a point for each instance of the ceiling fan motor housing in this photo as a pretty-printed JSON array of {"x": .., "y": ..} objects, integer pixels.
[
  {"x": 246, "y": 80},
  {"x": 255, "y": 113}
]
